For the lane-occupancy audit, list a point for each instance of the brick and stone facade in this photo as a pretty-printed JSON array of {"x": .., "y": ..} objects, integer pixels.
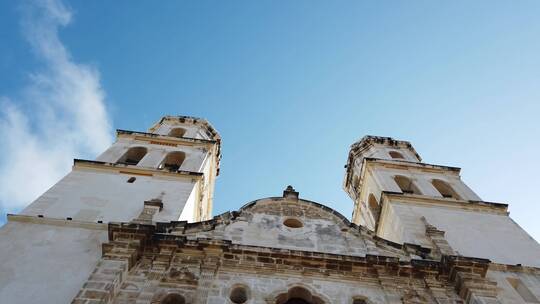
[{"x": 326, "y": 260}]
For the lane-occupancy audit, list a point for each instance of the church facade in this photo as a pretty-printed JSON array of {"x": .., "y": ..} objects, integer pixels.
[{"x": 135, "y": 226}]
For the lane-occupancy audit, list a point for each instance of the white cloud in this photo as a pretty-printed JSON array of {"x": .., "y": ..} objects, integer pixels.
[{"x": 60, "y": 115}]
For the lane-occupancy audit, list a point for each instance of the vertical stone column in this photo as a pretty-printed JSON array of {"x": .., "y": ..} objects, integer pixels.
[
  {"x": 151, "y": 208},
  {"x": 390, "y": 284},
  {"x": 440, "y": 244},
  {"x": 103, "y": 283},
  {"x": 441, "y": 291},
  {"x": 469, "y": 278},
  {"x": 209, "y": 269},
  {"x": 119, "y": 255}
]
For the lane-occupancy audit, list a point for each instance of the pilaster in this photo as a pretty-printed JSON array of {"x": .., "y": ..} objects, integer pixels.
[
  {"x": 468, "y": 275},
  {"x": 209, "y": 269},
  {"x": 119, "y": 255}
]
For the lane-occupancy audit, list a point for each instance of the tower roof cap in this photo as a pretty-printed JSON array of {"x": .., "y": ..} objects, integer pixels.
[
  {"x": 211, "y": 131},
  {"x": 369, "y": 140}
]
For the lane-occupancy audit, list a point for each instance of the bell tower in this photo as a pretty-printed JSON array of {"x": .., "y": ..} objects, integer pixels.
[
  {"x": 174, "y": 166},
  {"x": 405, "y": 200},
  {"x": 165, "y": 174}
]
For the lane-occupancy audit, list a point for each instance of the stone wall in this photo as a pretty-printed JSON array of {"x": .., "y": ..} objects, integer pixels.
[{"x": 221, "y": 261}]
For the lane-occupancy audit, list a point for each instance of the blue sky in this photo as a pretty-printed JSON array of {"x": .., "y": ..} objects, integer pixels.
[{"x": 288, "y": 84}]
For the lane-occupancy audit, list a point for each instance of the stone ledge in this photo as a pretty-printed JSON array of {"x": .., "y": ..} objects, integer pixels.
[
  {"x": 55, "y": 222},
  {"x": 499, "y": 208},
  {"x": 210, "y": 130},
  {"x": 514, "y": 268},
  {"x": 366, "y": 142},
  {"x": 173, "y": 140},
  {"x": 408, "y": 164},
  {"x": 133, "y": 170}
]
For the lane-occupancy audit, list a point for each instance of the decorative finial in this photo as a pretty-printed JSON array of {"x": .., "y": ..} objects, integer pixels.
[{"x": 289, "y": 192}]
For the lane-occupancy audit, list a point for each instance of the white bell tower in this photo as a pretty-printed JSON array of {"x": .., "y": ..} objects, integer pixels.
[
  {"x": 405, "y": 200},
  {"x": 175, "y": 164},
  {"x": 165, "y": 174}
]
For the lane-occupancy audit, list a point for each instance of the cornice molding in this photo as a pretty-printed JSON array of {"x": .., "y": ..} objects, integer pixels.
[
  {"x": 408, "y": 164},
  {"x": 475, "y": 206},
  {"x": 56, "y": 222},
  {"x": 210, "y": 130},
  {"x": 81, "y": 164},
  {"x": 369, "y": 140},
  {"x": 514, "y": 268},
  {"x": 388, "y": 198},
  {"x": 164, "y": 139}
]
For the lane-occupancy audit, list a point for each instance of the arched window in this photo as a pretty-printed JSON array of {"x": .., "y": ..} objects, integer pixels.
[
  {"x": 173, "y": 298},
  {"x": 396, "y": 154},
  {"x": 296, "y": 301},
  {"x": 359, "y": 301},
  {"x": 298, "y": 295},
  {"x": 177, "y": 132},
  {"x": 173, "y": 161},
  {"x": 133, "y": 156},
  {"x": 355, "y": 181},
  {"x": 406, "y": 185},
  {"x": 373, "y": 206},
  {"x": 444, "y": 189}
]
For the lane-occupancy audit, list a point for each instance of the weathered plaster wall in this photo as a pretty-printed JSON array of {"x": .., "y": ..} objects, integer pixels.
[
  {"x": 46, "y": 264},
  {"x": 316, "y": 235},
  {"x": 321, "y": 231},
  {"x": 471, "y": 233},
  {"x": 92, "y": 195}
]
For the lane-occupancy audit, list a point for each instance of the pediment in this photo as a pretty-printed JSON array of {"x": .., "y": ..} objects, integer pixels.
[{"x": 264, "y": 223}]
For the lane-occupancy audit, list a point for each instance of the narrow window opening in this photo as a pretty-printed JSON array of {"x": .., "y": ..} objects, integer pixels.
[
  {"x": 359, "y": 301},
  {"x": 355, "y": 181},
  {"x": 177, "y": 132},
  {"x": 373, "y": 206},
  {"x": 406, "y": 185},
  {"x": 131, "y": 180},
  {"x": 396, "y": 155},
  {"x": 173, "y": 161},
  {"x": 133, "y": 156},
  {"x": 444, "y": 189}
]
